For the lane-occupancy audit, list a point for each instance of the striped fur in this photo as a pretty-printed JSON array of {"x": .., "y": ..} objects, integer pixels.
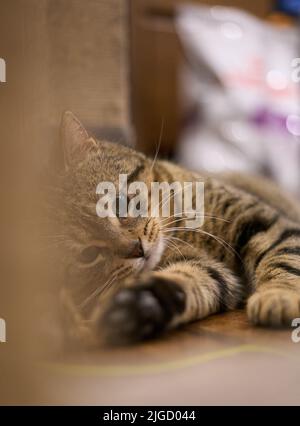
[{"x": 246, "y": 252}]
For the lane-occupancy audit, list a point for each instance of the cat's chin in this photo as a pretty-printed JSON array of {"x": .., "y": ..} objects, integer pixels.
[{"x": 148, "y": 263}]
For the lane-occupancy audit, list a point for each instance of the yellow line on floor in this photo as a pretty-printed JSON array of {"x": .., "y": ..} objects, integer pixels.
[{"x": 112, "y": 370}]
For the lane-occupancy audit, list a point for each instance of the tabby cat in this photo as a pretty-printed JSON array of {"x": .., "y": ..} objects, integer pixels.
[{"x": 129, "y": 279}]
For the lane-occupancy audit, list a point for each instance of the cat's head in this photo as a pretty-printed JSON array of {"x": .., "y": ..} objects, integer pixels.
[{"x": 99, "y": 251}]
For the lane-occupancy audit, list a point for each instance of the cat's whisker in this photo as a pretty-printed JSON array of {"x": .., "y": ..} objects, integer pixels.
[
  {"x": 173, "y": 246},
  {"x": 159, "y": 144},
  {"x": 171, "y": 194},
  {"x": 97, "y": 292},
  {"x": 165, "y": 226},
  {"x": 218, "y": 239},
  {"x": 107, "y": 285},
  {"x": 182, "y": 241},
  {"x": 164, "y": 201},
  {"x": 199, "y": 215}
]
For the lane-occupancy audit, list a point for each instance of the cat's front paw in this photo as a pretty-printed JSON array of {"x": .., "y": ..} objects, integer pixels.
[
  {"x": 142, "y": 311},
  {"x": 273, "y": 307}
]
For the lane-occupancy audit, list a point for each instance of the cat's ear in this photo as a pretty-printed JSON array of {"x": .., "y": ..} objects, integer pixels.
[{"x": 75, "y": 139}]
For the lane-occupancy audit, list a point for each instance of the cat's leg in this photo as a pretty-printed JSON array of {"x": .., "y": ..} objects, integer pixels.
[
  {"x": 267, "y": 245},
  {"x": 188, "y": 289},
  {"x": 276, "y": 274}
]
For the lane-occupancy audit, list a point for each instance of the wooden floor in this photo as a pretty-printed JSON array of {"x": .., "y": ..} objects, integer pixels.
[{"x": 221, "y": 360}]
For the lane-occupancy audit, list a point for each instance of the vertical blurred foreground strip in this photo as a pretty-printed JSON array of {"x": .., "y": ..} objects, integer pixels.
[{"x": 17, "y": 354}]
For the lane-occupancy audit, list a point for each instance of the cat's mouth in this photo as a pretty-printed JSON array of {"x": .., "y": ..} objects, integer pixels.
[{"x": 152, "y": 256}]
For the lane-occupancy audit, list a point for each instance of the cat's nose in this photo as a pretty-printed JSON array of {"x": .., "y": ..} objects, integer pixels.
[{"x": 137, "y": 250}]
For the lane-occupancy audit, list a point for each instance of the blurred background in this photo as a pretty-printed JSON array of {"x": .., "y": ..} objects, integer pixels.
[
  {"x": 215, "y": 84},
  {"x": 218, "y": 83}
]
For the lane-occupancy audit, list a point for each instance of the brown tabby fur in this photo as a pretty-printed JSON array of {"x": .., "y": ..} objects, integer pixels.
[{"x": 246, "y": 252}]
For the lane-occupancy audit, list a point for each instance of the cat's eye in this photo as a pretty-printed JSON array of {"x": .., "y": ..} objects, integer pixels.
[{"x": 89, "y": 255}]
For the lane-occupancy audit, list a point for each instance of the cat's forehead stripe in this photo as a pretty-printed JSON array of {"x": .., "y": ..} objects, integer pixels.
[{"x": 133, "y": 175}]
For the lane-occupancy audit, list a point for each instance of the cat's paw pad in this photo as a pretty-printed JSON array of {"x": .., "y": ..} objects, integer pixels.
[
  {"x": 142, "y": 312},
  {"x": 273, "y": 308}
]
